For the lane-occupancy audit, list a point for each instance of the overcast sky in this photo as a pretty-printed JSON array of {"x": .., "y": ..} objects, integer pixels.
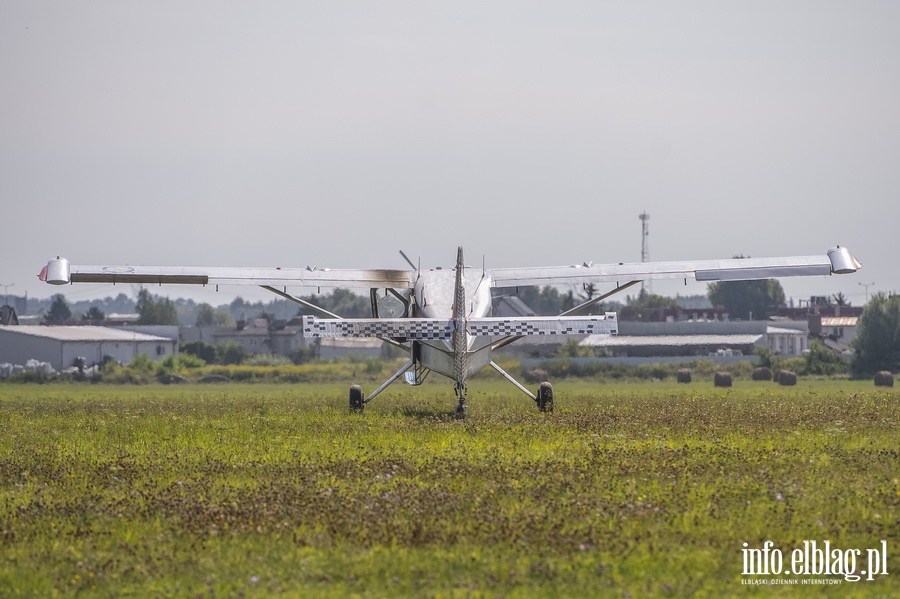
[{"x": 531, "y": 133}]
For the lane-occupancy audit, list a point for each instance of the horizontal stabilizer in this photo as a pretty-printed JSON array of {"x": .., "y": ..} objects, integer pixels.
[
  {"x": 544, "y": 325},
  {"x": 437, "y": 328},
  {"x": 395, "y": 328}
]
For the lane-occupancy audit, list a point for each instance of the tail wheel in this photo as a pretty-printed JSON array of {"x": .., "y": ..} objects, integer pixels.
[
  {"x": 356, "y": 398},
  {"x": 545, "y": 397}
]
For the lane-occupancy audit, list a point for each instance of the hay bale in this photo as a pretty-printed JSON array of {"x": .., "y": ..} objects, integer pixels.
[
  {"x": 762, "y": 374},
  {"x": 722, "y": 379},
  {"x": 683, "y": 375},
  {"x": 787, "y": 378},
  {"x": 884, "y": 378}
]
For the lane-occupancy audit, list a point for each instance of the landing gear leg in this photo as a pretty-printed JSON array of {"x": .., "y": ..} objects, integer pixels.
[
  {"x": 356, "y": 399},
  {"x": 461, "y": 408},
  {"x": 545, "y": 397}
]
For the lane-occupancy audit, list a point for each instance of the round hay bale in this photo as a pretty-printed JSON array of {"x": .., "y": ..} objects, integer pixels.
[
  {"x": 884, "y": 378},
  {"x": 787, "y": 378},
  {"x": 722, "y": 379},
  {"x": 762, "y": 374},
  {"x": 683, "y": 375}
]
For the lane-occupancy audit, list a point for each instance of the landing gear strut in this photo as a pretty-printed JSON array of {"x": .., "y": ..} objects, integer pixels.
[
  {"x": 545, "y": 397},
  {"x": 461, "y": 408}
]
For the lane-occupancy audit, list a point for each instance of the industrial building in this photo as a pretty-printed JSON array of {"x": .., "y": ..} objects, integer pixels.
[
  {"x": 61, "y": 345},
  {"x": 658, "y": 339}
]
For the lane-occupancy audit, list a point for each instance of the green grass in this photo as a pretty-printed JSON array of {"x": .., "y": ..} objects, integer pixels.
[{"x": 626, "y": 490}]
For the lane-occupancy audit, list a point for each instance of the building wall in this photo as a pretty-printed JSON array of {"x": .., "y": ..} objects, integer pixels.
[
  {"x": 120, "y": 351},
  {"x": 252, "y": 342},
  {"x": 843, "y": 334},
  {"x": 787, "y": 344},
  {"x": 18, "y": 348},
  {"x": 286, "y": 341}
]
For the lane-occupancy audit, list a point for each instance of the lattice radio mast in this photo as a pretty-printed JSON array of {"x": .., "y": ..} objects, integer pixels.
[{"x": 645, "y": 246}]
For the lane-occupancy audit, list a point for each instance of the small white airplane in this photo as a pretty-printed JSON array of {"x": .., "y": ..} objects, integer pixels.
[{"x": 445, "y": 323}]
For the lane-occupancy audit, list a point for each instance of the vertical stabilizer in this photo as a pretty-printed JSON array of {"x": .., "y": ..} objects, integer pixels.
[{"x": 460, "y": 342}]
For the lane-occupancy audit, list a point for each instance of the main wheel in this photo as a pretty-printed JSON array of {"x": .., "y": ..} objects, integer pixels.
[
  {"x": 545, "y": 397},
  {"x": 356, "y": 398}
]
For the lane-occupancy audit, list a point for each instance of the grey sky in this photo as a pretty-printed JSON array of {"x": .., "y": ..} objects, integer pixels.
[{"x": 531, "y": 133}]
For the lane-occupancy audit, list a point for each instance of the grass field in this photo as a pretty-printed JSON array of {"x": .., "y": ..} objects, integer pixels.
[{"x": 627, "y": 490}]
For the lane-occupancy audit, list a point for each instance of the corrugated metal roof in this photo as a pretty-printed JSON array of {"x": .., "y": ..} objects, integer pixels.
[
  {"x": 840, "y": 321},
  {"x": 86, "y": 333},
  {"x": 783, "y": 331}
]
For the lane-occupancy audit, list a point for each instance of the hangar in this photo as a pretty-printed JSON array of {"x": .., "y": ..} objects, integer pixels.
[{"x": 61, "y": 345}]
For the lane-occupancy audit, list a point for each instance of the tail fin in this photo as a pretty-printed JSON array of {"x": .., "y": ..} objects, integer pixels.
[{"x": 459, "y": 340}]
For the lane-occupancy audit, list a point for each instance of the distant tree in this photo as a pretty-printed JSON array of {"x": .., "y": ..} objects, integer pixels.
[
  {"x": 157, "y": 310},
  {"x": 765, "y": 357},
  {"x": 232, "y": 353},
  {"x": 340, "y": 301},
  {"x": 588, "y": 292},
  {"x": 209, "y": 316},
  {"x": 59, "y": 310},
  {"x": 205, "y": 351},
  {"x": 840, "y": 299},
  {"x": 547, "y": 300},
  {"x": 877, "y": 342},
  {"x": 651, "y": 301},
  {"x": 94, "y": 314},
  {"x": 567, "y": 301},
  {"x": 747, "y": 299},
  {"x": 821, "y": 360},
  {"x": 573, "y": 349}
]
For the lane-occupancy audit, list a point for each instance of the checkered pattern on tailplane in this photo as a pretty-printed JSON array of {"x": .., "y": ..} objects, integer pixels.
[
  {"x": 396, "y": 328},
  {"x": 544, "y": 325}
]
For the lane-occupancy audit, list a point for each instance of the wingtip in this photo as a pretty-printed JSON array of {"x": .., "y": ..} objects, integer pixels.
[{"x": 842, "y": 261}]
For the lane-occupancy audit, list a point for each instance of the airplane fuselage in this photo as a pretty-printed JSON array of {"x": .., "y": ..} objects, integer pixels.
[{"x": 435, "y": 291}]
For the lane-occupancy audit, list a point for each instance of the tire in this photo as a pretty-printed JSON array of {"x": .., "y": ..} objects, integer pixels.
[
  {"x": 545, "y": 397},
  {"x": 356, "y": 398}
]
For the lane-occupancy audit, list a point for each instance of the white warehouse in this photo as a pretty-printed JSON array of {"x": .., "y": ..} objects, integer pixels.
[{"x": 61, "y": 345}]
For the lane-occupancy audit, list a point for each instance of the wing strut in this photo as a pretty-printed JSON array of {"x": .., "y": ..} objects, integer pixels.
[
  {"x": 385, "y": 385},
  {"x": 581, "y": 307},
  {"x": 509, "y": 377},
  {"x": 302, "y": 302}
]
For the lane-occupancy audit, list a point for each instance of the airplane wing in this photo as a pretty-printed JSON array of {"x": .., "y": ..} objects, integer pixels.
[
  {"x": 60, "y": 272},
  {"x": 838, "y": 260}
]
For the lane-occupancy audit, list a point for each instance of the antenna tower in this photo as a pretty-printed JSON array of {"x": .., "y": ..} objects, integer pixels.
[{"x": 645, "y": 246}]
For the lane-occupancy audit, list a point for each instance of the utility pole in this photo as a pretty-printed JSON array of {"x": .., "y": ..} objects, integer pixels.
[
  {"x": 866, "y": 285},
  {"x": 645, "y": 246}
]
